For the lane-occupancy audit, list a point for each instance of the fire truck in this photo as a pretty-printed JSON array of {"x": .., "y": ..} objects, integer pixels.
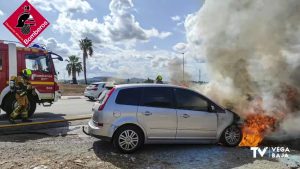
[{"x": 15, "y": 58}]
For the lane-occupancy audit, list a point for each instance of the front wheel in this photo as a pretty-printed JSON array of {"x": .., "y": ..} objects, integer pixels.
[
  {"x": 232, "y": 136},
  {"x": 128, "y": 139},
  {"x": 11, "y": 103}
]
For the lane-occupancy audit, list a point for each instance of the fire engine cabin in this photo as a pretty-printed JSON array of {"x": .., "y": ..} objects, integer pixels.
[{"x": 13, "y": 60}]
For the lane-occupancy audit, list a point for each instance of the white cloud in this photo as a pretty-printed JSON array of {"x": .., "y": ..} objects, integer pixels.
[
  {"x": 124, "y": 63},
  {"x": 191, "y": 27},
  {"x": 176, "y": 18},
  {"x": 180, "y": 47},
  {"x": 1, "y": 13},
  {"x": 68, "y": 6},
  {"x": 131, "y": 63},
  {"x": 118, "y": 27},
  {"x": 60, "y": 48}
]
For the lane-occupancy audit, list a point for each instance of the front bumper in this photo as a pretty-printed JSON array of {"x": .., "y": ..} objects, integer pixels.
[{"x": 97, "y": 132}]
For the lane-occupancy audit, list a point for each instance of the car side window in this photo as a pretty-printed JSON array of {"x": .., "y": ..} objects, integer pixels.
[
  {"x": 189, "y": 100},
  {"x": 158, "y": 97},
  {"x": 129, "y": 96}
]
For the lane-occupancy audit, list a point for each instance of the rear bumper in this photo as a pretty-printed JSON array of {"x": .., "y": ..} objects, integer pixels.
[
  {"x": 97, "y": 132},
  {"x": 90, "y": 94}
]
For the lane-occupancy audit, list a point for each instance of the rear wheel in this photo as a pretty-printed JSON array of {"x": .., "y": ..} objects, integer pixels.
[
  {"x": 128, "y": 139},
  {"x": 10, "y": 104},
  {"x": 91, "y": 98},
  {"x": 232, "y": 136}
]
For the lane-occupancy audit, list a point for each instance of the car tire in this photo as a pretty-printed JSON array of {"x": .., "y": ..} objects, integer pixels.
[
  {"x": 128, "y": 139},
  {"x": 10, "y": 102},
  {"x": 232, "y": 136}
]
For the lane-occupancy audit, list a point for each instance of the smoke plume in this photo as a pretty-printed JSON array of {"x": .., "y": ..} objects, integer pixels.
[
  {"x": 252, "y": 49},
  {"x": 175, "y": 67}
]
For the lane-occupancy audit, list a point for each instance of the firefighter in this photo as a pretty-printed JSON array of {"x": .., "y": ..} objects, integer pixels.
[
  {"x": 159, "y": 79},
  {"x": 21, "y": 87}
]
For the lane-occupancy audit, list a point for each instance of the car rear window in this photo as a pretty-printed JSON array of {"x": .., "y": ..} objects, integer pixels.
[
  {"x": 129, "y": 96},
  {"x": 158, "y": 97}
]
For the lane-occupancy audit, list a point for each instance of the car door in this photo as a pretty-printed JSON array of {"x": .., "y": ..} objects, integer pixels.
[
  {"x": 157, "y": 114},
  {"x": 195, "y": 121}
]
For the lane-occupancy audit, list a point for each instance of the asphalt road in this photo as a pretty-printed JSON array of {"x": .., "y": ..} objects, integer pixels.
[{"x": 59, "y": 110}]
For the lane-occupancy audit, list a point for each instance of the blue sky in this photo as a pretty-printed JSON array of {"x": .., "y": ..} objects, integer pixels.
[{"x": 132, "y": 38}]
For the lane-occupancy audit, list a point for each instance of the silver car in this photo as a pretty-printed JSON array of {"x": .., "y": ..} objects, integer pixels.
[{"x": 132, "y": 115}]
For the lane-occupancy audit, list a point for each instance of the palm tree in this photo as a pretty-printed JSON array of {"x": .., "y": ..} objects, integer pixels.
[
  {"x": 73, "y": 67},
  {"x": 86, "y": 45}
]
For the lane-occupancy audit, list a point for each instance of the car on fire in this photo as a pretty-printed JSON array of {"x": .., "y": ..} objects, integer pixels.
[{"x": 135, "y": 114}]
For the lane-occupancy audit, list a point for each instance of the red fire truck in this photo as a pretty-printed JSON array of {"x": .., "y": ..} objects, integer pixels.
[{"x": 13, "y": 59}]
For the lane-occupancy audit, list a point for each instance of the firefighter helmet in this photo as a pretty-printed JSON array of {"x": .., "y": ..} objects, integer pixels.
[
  {"x": 159, "y": 78},
  {"x": 26, "y": 73}
]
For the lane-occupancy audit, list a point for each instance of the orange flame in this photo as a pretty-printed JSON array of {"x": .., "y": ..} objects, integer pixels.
[{"x": 255, "y": 128}]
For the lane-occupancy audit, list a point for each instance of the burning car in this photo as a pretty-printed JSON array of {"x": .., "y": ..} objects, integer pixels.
[{"x": 137, "y": 114}]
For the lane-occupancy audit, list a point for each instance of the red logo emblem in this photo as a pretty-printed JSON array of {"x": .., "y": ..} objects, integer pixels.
[{"x": 26, "y": 23}]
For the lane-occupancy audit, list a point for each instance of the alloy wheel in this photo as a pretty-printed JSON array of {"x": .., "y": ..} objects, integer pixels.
[
  {"x": 128, "y": 140},
  {"x": 232, "y": 135}
]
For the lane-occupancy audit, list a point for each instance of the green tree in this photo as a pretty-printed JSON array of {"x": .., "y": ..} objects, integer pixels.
[
  {"x": 73, "y": 67},
  {"x": 86, "y": 45}
]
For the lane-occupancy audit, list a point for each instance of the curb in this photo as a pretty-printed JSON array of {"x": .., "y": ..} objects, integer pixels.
[
  {"x": 65, "y": 119},
  {"x": 71, "y": 97}
]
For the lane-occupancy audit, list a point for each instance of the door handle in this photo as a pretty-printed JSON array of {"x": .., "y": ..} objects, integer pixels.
[
  {"x": 185, "y": 116},
  {"x": 147, "y": 113}
]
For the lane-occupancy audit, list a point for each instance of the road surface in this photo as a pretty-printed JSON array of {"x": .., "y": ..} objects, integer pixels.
[{"x": 59, "y": 110}]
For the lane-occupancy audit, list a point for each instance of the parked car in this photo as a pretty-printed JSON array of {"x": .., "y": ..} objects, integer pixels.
[
  {"x": 94, "y": 90},
  {"x": 132, "y": 115}
]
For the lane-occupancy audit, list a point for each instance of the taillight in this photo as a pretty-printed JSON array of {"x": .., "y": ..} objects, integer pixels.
[
  {"x": 107, "y": 97},
  {"x": 94, "y": 88}
]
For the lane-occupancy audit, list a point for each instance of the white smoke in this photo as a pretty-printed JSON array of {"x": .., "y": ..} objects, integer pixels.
[{"x": 252, "y": 51}]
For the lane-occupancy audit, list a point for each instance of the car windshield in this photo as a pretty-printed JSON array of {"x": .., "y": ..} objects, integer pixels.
[{"x": 39, "y": 63}]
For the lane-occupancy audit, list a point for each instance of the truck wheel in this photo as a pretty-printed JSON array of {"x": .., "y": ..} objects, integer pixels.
[
  {"x": 128, "y": 139},
  {"x": 232, "y": 136},
  {"x": 32, "y": 106},
  {"x": 10, "y": 103}
]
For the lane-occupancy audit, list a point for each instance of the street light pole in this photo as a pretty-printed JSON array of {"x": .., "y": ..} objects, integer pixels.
[
  {"x": 183, "y": 66},
  {"x": 199, "y": 75}
]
